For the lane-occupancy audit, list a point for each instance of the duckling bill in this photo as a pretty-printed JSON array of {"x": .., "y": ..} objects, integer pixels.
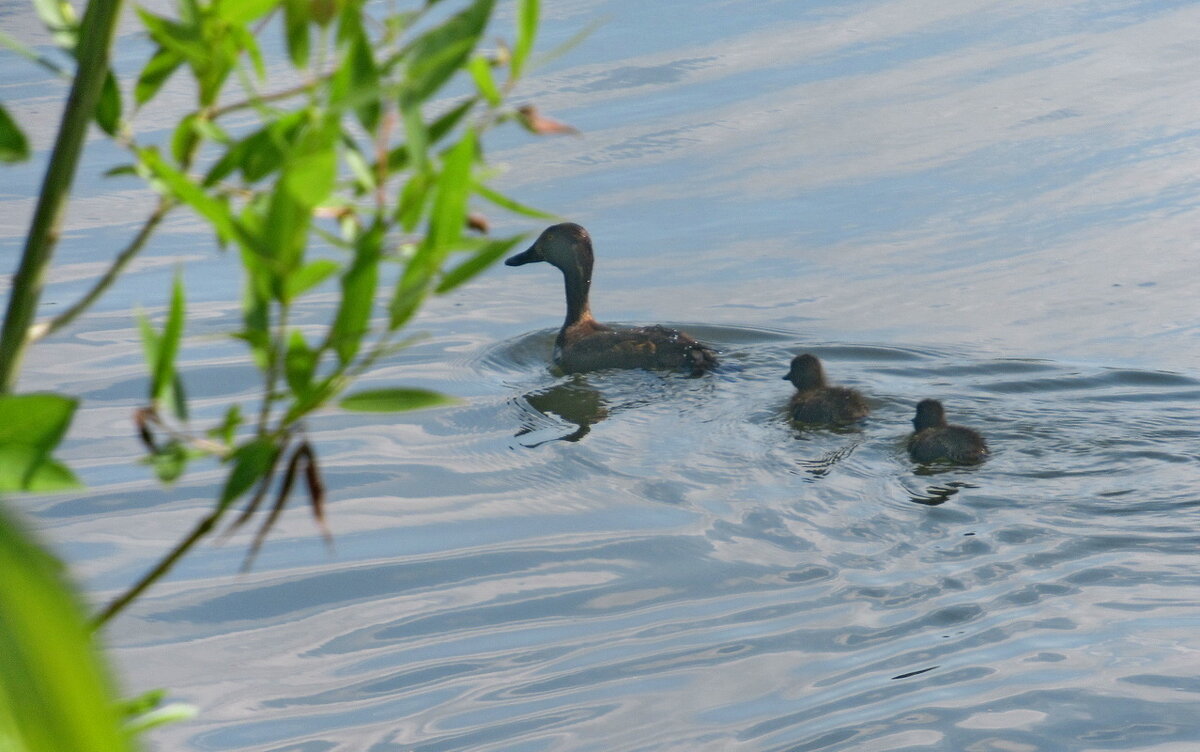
[
  {"x": 934, "y": 440},
  {"x": 817, "y": 403},
  {"x": 584, "y": 344}
]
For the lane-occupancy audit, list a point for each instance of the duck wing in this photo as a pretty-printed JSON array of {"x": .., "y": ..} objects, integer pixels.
[{"x": 652, "y": 347}]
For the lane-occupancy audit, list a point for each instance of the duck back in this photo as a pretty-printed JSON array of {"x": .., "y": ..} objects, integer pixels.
[
  {"x": 591, "y": 346},
  {"x": 947, "y": 444},
  {"x": 828, "y": 405}
]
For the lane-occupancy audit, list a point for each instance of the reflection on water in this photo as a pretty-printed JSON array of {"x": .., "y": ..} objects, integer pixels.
[
  {"x": 574, "y": 401},
  {"x": 699, "y": 574},
  {"x": 988, "y": 203}
]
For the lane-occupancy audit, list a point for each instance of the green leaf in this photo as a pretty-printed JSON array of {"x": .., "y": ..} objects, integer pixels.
[
  {"x": 356, "y": 83},
  {"x": 394, "y": 400},
  {"x": 312, "y": 165},
  {"x": 417, "y": 138},
  {"x": 481, "y": 71},
  {"x": 527, "y": 24},
  {"x": 450, "y": 202},
  {"x": 60, "y": 20},
  {"x": 251, "y": 461},
  {"x": 170, "y": 461},
  {"x": 440, "y": 52},
  {"x": 480, "y": 260},
  {"x": 31, "y": 426},
  {"x": 162, "y": 64},
  {"x": 108, "y": 108},
  {"x": 499, "y": 199},
  {"x": 358, "y": 295},
  {"x": 55, "y": 691},
  {"x": 299, "y": 364},
  {"x": 241, "y": 12},
  {"x": 406, "y": 301},
  {"x": 228, "y": 427},
  {"x": 215, "y": 210},
  {"x": 168, "y": 346},
  {"x": 183, "y": 40},
  {"x": 309, "y": 276},
  {"x": 295, "y": 22},
  {"x": 14, "y": 147}
]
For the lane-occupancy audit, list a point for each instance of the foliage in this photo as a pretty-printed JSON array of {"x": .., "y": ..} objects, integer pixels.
[{"x": 360, "y": 177}]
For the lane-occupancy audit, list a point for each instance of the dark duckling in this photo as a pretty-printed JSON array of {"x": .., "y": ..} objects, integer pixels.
[
  {"x": 817, "y": 403},
  {"x": 585, "y": 344},
  {"x": 934, "y": 440}
]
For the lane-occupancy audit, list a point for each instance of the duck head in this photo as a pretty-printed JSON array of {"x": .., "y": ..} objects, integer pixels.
[
  {"x": 806, "y": 372},
  {"x": 930, "y": 414},
  {"x": 567, "y": 246}
]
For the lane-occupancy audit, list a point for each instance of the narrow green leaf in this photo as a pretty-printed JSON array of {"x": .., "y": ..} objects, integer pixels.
[
  {"x": 438, "y": 53},
  {"x": 184, "y": 40},
  {"x": 417, "y": 138},
  {"x": 481, "y": 71},
  {"x": 242, "y": 12},
  {"x": 358, "y": 295},
  {"x": 527, "y": 24},
  {"x": 215, "y": 210},
  {"x": 229, "y": 425},
  {"x": 480, "y": 260},
  {"x": 168, "y": 344},
  {"x": 312, "y": 165},
  {"x": 450, "y": 202},
  {"x": 31, "y": 426},
  {"x": 251, "y": 461},
  {"x": 60, "y": 20},
  {"x": 413, "y": 198},
  {"x": 499, "y": 199},
  {"x": 162, "y": 64},
  {"x": 108, "y": 109},
  {"x": 410, "y": 292},
  {"x": 299, "y": 364},
  {"x": 14, "y": 147},
  {"x": 309, "y": 276},
  {"x": 295, "y": 22},
  {"x": 55, "y": 691},
  {"x": 35, "y": 419},
  {"x": 394, "y": 400},
  {"x": 170, "y": 462}
]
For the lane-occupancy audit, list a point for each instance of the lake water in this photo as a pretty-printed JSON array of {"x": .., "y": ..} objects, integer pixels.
[{"x": 992, "y": 203}]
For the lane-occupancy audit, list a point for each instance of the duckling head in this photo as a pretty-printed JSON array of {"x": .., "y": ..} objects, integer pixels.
[
  {"x": 930, "y": 414},
  {"x": 567, "y": 246},
  {"x": 806, "y": 372}
]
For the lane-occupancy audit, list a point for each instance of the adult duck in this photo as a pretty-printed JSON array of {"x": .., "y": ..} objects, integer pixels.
[
  {"x": 934, "y": 440},
  {"x": 815, "y": 402},
  {"x": 584, "y": 344}
]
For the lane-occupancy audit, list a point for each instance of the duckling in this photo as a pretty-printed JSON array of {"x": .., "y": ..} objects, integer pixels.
[
  {"x": 584, "y": 344},
  {"x": 815, "y": 401},
  {"x": 934, "y": 440}
]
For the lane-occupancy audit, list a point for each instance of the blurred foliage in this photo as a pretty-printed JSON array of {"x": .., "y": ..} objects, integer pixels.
[{"x": 360, "y": 174}]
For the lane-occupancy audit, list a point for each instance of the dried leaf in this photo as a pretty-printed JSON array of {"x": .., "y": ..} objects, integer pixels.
[
  {"x": 479, "y": 223},
  {"x": 537, "y": 123}
]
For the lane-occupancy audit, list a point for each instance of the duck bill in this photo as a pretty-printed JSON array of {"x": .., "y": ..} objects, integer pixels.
[{"x": 527, "y": 256}]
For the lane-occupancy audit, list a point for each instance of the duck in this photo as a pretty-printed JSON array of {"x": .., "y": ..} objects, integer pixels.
[
  {"x": 934, "y": 440},
  {"x": 584, "y": 344},
  {"x": 816, "y": 402}
]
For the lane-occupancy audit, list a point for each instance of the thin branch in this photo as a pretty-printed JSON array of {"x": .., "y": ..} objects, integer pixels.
[
  {"x": 118, "y": 604},
  {"x": 46, "y": 328},
  {"x": 100, "y": 20}
]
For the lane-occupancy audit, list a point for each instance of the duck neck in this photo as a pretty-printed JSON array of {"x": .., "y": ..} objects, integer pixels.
[{"x": 578, "y": 281}]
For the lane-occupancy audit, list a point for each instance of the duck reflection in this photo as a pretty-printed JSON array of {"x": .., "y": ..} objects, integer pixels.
[
  {"x": 573, "y": 401},
  {"x": 936, "y": 495}
]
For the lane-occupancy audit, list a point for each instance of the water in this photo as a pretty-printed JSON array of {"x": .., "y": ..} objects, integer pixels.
[{"x": 989, "y": 203}]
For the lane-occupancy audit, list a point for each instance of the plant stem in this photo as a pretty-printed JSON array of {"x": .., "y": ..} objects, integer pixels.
[
  {"x": 202, "y": 529},
  {"x": 46, "y": 328},
  {"x": 99, "y": 25}
]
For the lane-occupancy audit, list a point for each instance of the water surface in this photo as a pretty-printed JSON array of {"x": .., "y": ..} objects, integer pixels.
[{"x": 989, "y": 203}]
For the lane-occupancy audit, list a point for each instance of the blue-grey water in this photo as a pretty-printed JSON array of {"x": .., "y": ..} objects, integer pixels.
[{"x": 992, "y": 203}]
